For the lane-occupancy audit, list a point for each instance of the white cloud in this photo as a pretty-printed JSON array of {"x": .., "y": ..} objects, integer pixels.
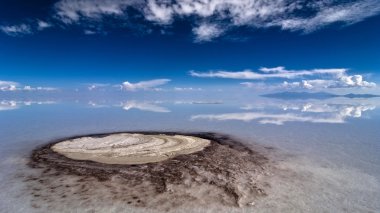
[
  {"x": 25, "y": 28},
  {"x": 207, "y": 32},
  {"x": 329, "y": 13},
  {"x": 187, "y": 89},
  {"x": 15, "y": 86},
  {"x": 209, "y": 15},
  {"x": 96, "y": 86},
  {"x": 144, "y": 106},
  {"x": 198, "y": 102},
  {"x": 286, "y": 14},
  {"x": 144, "y": 85},
  {"x": 308, "y": 84},
  {"x": 277, "y": 72},
  {"x": 243, "y": 12},
  {"x": 259, "y": 86},
  {"x": 29, "y": 88},
  {"x": 71, "y": 11},
  {"x": 273, "y": 69},
  {"x": 344, "y": 81},
  {"x": 8, "y": 85},
  {"x": 160, "y": 13},
  {"x": 89, "y": 32},
  {"x": 354, "y": 81},
  {"x": 331, "y": 78},
  {"x": 17, "y": 30},
  {"x": 43, "y": 25}
]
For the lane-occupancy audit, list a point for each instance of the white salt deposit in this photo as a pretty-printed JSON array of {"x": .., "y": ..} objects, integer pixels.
[{"x": 126, "y": 148}]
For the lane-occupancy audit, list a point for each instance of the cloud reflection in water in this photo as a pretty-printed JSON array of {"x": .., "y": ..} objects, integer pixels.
[
  {"x": 12, "y": 104},
  {"x": 306, "y": 112}
]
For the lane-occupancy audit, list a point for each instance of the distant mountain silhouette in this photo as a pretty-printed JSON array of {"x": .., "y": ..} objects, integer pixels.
[
  {"x": 315, "y": 95},
  {"x": 352, "y": 95}
]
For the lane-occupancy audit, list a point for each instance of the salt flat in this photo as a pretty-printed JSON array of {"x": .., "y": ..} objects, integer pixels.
[{"x": 126, "y": 148}]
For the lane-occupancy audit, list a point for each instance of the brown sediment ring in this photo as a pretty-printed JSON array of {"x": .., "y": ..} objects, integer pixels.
[{"x": 225, "y": 166}]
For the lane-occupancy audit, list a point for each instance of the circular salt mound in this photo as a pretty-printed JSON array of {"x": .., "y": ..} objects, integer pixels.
[{"x": 126, "y": 148}]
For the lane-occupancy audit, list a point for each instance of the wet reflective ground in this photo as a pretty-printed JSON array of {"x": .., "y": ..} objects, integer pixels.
[{"x": 327, "y": 149}]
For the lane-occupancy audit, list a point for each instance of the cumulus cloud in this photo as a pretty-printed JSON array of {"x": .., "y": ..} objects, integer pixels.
[
  {"x": 158, "y": 12},
  {"x": 265, "y": 73},
  {"x": 332, "y": 78},
  {"x": 354, "y": 81},
  {"x": 144, "y": 85},
  {"x": 8, "y": 85},
  {"x": 207, "y": 32},
  {"x": 344, "y": 81},
  {"x": 209, "y": 17},
  {"x": 304, "y": 84}
]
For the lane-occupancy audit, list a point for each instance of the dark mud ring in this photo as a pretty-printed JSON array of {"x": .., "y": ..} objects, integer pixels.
[{"x": 225, "y": 164}]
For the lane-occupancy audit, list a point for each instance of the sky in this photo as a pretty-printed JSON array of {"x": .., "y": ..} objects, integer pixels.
[{"x": 189, "y": 44}]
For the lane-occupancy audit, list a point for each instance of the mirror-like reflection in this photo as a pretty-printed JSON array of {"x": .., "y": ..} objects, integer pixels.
[
  {"x": 263, "y": 110},
  {"x": 131, "y": 105},
  {"x": 303, "y": 112},
  {"x": 14, "y": 104},
  {"x": 143, "y": 106},
  {"x": 330, "y": 139}
]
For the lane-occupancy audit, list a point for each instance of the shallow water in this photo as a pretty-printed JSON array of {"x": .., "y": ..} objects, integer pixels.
[{"x": 326, "y": 151}]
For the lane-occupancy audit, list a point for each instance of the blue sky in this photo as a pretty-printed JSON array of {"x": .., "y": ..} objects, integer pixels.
[{"x": 73, "y": 42}]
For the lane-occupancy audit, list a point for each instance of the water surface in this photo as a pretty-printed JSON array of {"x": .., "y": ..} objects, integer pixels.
[{"x": 328, "y": 148}]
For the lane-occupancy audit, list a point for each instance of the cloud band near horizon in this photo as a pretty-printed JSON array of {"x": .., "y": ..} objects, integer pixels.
[{"x": 317, "y": 78}]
